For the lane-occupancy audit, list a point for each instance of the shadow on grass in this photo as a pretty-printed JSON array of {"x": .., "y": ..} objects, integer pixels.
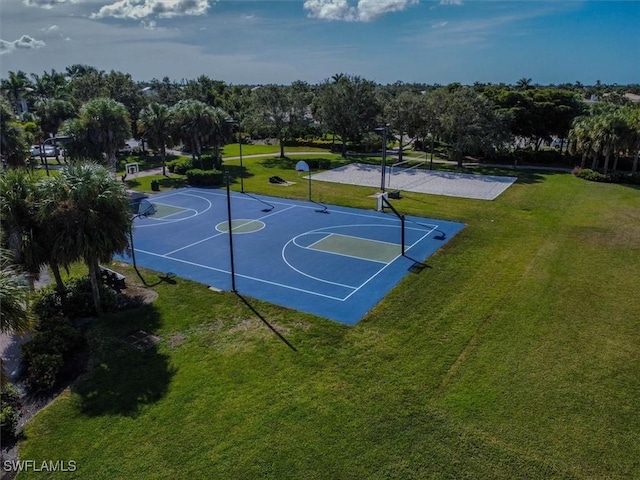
[
  {"x": 235, "y": 172},
  {"x": 165, "y": 182},
  {"x": 315, "y": 163},
  {"x": 264, "y": 320},
  {"x": 173, "y": 182},
  {"x": 123, "y": 378}
]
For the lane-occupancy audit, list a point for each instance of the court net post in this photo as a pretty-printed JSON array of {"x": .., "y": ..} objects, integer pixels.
[{"x": 383, "y": 202}]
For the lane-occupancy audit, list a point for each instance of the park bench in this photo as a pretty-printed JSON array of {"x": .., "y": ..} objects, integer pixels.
[{"x": 112, "y": 279}]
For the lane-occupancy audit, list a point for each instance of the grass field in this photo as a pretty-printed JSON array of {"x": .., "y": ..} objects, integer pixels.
[{"x": 513, "y": 355}]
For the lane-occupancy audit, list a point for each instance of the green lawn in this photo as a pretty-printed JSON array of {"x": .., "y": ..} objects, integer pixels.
[{"x": 513, "y": 355}]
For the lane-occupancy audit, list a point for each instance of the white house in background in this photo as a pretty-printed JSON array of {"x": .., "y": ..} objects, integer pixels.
[{"x": 632, "y": 97}]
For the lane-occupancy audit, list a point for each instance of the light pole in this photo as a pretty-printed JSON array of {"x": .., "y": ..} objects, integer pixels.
[
  {"x": 149, "y": 210},
  {"x": 43, "y": 150},
  {"x": 236, "y": 122},
  {"x": 384, "y": 153}
]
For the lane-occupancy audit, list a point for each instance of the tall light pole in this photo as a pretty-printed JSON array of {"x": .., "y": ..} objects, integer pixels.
[
  {"x": 236, "y": 122},
  {"x": 43, "y": 150},
  {"x": 384, "y": 153}
]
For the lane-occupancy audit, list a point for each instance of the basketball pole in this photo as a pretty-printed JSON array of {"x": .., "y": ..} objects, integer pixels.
[{"x": 233, "y": 270}]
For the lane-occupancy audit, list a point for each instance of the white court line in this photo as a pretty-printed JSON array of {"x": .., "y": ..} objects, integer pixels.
[
  {"x": 321, "y": 230},
  {"x": 385, "y": 217},
  {"x": 379, "y": 271},
  {"x": 290, "y": 206},
  {"x": 310, "y": 247},
  {"x": 163, "y": 222},
  {"x": 224, "y": 233},
  {"x": 331, "y": 297}
]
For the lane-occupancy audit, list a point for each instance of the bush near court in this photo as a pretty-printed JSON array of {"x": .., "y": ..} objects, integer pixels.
[
  {"x": 617, "y": 177},
  {"x": 204, "y": 178}
]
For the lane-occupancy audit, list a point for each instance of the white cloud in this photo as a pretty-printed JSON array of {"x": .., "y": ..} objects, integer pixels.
[
  {"x": 330, "y": 10},
  {"x": 450, "y": 2},
  {"x": 139, "y": 9},
  {"x": 25, "y": 42},
  {"x": 148, "y": 25},
  {"x": 439, "y": 25},
  {"x": 50, "y": 29},
  {"x": 44, "y": 3},
  {"x": 363, "y": 11}
]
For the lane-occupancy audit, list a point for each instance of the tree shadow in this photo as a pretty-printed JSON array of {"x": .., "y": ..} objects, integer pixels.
[
  {"x": 173, "y": 182},
  {"x": 315, "y": 163},
  {"x": 235, "y": 172},
  {"x": 123, "y": 378}
]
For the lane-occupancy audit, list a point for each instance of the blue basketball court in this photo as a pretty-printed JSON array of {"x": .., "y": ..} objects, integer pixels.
[{"x": 337, "y": 262}]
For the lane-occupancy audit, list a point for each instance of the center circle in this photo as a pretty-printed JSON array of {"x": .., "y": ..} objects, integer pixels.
[{"x": 241, "y": 226}]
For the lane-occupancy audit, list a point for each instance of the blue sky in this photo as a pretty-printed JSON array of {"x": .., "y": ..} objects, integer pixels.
[{"x": 258, "y": 42}]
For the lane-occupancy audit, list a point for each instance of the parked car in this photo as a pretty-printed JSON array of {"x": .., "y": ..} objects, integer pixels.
[
  {"x": 125, "y": 150},
  {"x": 48, "y": 150}
]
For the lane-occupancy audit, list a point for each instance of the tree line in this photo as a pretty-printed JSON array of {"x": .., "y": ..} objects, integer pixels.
[{"x": 100, "y": 110}]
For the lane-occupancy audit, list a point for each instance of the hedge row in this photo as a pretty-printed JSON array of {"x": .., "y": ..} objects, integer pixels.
[
  {"x": 616, "y": 177},
  {"x": 204, "y": 178}
]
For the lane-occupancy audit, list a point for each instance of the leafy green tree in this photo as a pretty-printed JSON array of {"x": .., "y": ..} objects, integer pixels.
[
  {"x": 87, "y": 83},
  {"x": 13, "y": 142},
  {"x": 164, "y": 91},
  {"x": 123, "y": 89},
  {"x": 281, "y": 111},
  {"x": 406, "y": 115},
  {"x": 468, "y": 123},
  {"x": 348, "y": 106},
  {"x": 93, "y": 217}
]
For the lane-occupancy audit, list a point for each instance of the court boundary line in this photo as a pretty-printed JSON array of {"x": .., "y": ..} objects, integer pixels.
[
  {"x": 158, "y": 221},
  {"x": 290, "y": 206},
  {"x": 329, "y": 234},
  {"x": 261, "y": 280}
]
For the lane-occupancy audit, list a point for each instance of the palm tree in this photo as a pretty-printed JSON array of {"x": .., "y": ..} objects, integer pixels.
[
  {"x": 18, "y": 204},
  {"x": 581, "y": 137},
  {"x": 155, "y": 123},
  {"x": 92, "y": 216},
  {"x": 633, "y": 119},
  {"x": 13, "y": 142},
  {"x": 219, "y": 120},
  {"x": 14, "y": 291},
  {"x": 17, "y": 86},
  {"x": 53, "y": 85},
  {"x": 523, "y": 84},
  {"x": 194, "y": 123},
  {"x": 52, "y": 113},
  {"x": 108, "y": 125}
]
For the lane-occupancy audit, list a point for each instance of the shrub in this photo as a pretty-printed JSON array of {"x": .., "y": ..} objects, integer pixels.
[
  {"x": 10, "y": 412},
  {"x": 592, "y": 175},
  {"x": 42, "y": 372},
  {"x": 615, "y": 177},
  {"x": 180, "y": 166},
  {"x": 55, "y": 343},
  {"x": 76, "y": 302},
  {"x": 204, "y": 178}
]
